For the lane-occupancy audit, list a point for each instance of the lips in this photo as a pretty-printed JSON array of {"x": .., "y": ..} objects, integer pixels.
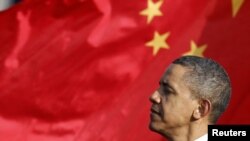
[{"x": 155, "y": 110}]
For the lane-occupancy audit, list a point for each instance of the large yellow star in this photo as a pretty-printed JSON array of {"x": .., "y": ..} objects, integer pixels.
[
  {"x": 152, "y": 10},
  {"x": 236, "y": 5},
  {"x": 195, "y": 50},
  {"x": 158, "y": 42}
]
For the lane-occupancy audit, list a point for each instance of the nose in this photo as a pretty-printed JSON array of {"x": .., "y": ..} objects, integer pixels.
[{"x": 155, "y": 97}]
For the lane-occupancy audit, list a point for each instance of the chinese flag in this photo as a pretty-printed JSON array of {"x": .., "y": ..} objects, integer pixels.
[{"x": 83, "y": 70}]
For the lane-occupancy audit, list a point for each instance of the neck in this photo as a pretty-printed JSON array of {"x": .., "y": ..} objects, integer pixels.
[{"x": 189, "y": 132}]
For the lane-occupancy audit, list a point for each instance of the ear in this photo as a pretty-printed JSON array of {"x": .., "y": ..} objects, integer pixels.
[{"x": 203, "y": 109}]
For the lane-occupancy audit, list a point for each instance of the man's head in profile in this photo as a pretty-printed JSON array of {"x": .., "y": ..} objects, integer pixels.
[{"x": 192, "y": 94}]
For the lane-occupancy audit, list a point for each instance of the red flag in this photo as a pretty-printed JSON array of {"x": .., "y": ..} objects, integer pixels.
[{"x": 82, "y": 70}]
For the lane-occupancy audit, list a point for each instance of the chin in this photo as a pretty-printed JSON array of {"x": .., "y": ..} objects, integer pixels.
[
  {"x": 152, "y": 126},
  {"x": 157, "y": 129}
]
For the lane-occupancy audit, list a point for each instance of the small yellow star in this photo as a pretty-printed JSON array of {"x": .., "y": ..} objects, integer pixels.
[
  {"x": 195, "y": 50},
  {"x": 236, "y": 5},
  {"x": 158, "y": 42},
  {"x": 152, "y": 10}
]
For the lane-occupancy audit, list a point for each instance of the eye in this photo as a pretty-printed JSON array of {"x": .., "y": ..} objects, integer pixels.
[{"x": 166, "y": 90}]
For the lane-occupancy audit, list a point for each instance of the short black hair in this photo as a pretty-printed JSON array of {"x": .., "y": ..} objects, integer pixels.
[{"x": 207, "y": 79}]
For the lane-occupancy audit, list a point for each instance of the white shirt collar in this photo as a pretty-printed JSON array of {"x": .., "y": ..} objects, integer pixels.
[{"x": 202, "y": 138}]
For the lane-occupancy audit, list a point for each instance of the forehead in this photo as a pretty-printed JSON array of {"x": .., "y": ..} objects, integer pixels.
[
  {"x": 174, "y": 72},
  {"x": 174, "y": 78}
]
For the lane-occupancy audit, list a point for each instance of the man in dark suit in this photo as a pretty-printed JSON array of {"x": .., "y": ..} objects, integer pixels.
[{"x": 193, "y": 93}]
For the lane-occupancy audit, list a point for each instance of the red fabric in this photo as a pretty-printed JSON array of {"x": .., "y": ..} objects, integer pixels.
[{"x": 79, "y": 70}]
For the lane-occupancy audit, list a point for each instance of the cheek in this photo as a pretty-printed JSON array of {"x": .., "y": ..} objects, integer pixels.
[
  {"x": 176, "y": 111},
  {"x": 169, "y": 110},
  {"x": 185, "y": 110}
]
